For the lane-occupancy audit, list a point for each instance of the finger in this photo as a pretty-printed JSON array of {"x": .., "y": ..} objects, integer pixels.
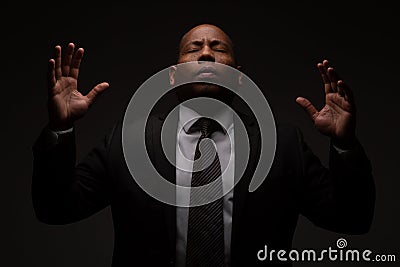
[
  {"x": 328, "y": 69},
  {"x": 340, "y": 89},
  {"x": 333, "y": 77},
  {"x": 57, "y": 59},
  {"x": 51, "y": 78},
  {"x": 325, "y": 79},
  {"x": 96, "y": 91},
  {"x": 76, "y": 63},
  {"x": 67, "y": 59},
  {"x": 347, "y": 92},
  {"x": 308, "y": 107}
]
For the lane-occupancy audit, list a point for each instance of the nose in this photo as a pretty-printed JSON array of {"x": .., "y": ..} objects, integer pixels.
[{"x": 206, "y": 54}]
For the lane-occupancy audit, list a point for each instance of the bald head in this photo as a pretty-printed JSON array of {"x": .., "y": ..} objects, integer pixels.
[
  {"x": 205, "y": 29},
  {"x": 206, "y": 42}
]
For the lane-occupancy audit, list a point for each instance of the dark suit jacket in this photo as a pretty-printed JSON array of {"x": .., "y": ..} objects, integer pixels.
[{"x": 338, "y": 198}]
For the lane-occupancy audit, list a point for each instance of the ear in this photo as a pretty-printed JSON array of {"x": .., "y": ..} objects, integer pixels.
[
  {"x": 172, "y": 71},
  {"x": 239, "y": 68}
]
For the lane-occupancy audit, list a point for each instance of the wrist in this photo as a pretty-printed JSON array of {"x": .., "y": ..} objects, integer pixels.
[{"x": 345, "y": 143}]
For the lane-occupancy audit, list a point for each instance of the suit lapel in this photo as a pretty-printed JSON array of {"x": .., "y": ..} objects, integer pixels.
[
  {"x": 241, "y": 188},
  {"x": 166, "y": 168}
]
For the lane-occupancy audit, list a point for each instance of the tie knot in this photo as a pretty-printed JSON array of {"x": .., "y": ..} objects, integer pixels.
[{"x": 206, "y": 126}]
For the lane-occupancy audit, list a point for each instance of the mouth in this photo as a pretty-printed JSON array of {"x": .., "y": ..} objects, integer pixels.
[{"x": 207, "y": 72}]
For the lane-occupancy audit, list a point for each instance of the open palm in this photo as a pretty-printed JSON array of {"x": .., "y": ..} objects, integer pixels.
[
  {"x": 337, "y": 118},
  {"x": 65, "y": 103}
]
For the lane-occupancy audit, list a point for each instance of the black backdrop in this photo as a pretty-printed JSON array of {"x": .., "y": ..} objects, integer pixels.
[{"x": 278, "y": 48}]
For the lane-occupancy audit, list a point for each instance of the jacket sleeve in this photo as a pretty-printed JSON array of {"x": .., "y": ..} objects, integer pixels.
[
  {"x": 63, "y": 191},
  {"x": 340, "y": 197}
]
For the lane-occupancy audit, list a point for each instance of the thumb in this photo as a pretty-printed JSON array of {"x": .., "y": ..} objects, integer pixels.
[
  {"x": 308, "y": 107},
  {"x": 97, "y": 90}
]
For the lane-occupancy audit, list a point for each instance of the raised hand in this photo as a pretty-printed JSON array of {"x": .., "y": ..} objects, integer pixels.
[
  {"x": 337, "y": 118},
  {"x": 65, "y": 103}
]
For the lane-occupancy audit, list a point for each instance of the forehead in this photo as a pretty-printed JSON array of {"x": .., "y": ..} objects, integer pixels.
[{"x": 205, "y": 32}]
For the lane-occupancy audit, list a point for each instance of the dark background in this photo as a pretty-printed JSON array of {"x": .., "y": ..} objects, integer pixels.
[{"x": 278, "y": 47}]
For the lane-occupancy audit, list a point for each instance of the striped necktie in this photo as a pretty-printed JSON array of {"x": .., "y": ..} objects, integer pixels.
[{"x": 205, "y": 238}]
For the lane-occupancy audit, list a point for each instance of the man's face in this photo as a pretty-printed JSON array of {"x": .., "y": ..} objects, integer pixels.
[{"x": 207, "y": 44}]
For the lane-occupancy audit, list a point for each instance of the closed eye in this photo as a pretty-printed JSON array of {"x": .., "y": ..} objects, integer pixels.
[{"x": 192, "y": 48}]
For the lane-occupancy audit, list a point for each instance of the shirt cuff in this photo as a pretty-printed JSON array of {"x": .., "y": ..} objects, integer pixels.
[
  {"x": 50, "y": 138},
  {"x": 63, "y": 131},
  {"x": 339, "y": 150}
]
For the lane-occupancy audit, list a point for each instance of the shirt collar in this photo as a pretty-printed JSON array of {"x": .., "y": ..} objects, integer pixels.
[{"x": 188, "y": 116}]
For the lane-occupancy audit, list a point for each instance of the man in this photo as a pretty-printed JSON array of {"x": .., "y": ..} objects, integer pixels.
[{"x": 148, "y": 232}]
